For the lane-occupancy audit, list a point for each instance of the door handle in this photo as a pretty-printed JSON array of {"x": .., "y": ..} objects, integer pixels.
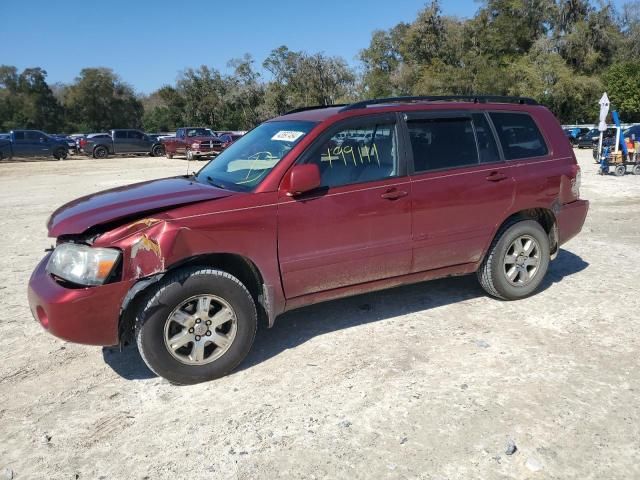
[
  {"x": 496, "y": 176},
  {"x": 394, "y": 194}
]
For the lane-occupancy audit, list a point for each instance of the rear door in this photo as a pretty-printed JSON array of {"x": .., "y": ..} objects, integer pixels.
[
  {"x": 460, "y": 185},
  {"x": 357, "y": 227},
  {"x": 121, "y": 142},
  {"x": 138, "y": 142}
]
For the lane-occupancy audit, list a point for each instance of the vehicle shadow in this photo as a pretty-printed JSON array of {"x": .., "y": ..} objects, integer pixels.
[{"x": 296, "y": 327}]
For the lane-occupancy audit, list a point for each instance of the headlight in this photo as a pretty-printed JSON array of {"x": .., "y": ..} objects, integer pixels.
[
  {"x": 82, "y": 264},
  {"x": 195, "y": 145}
]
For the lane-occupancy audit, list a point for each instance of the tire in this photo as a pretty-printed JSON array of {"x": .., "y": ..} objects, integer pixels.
[
  {"x": 157, "y": 151},
  {"x": 636, "y": 168},
  {"x": 60, "y": 154},
  {"x": 620, "y": 170},
  {"x": 100, "y": 152},
  {"x": 172, "y": 298},
  {"x": 189, "y": 155},
  {"x": 494, "y": 271}
]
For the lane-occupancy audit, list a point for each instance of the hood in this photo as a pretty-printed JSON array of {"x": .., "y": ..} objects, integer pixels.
[
  {"x": 202, "y": 139},
  {"x": 128, "y": 202}
]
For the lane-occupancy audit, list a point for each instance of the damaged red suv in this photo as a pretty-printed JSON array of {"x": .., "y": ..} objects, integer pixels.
[{"x": 317, "y": 204}]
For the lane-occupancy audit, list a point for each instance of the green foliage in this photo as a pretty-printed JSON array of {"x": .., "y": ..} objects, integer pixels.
[
  {"x": 564, "y": 53},
  {"x": 98, "y": 100},
  {"x": 622, "y": 82}
]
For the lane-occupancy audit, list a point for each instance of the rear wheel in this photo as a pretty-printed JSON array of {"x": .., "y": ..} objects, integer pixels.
[
  {"x": 100, "y": 152},
  {"x": 198, "y": 325},
  {"x": 636, "y": 169},
  {"x": 620, "y": 170},
  {"x": 516, "y": 262}
]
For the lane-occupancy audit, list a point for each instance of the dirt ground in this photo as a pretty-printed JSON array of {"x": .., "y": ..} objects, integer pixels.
[{"x": 429, "y": 381}]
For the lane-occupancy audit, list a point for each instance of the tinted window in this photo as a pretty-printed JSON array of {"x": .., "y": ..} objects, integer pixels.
[
  {"x": 442, "y": 143},
  {"x": 519, "y": 135},
  {"x": 120, "y": 134},
  {"x": 486, "y": 141},
  {"x": 34, "y": 135},
  {"x": 357, "y": 154},
  {"x": 134, "y": 134},
  {"x": 19, "y": 135}
]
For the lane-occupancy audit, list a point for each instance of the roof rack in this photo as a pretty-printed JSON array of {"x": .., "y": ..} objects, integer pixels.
[
  {"x": 442, "y": 98},
  {"x": 315, "y": 107}
]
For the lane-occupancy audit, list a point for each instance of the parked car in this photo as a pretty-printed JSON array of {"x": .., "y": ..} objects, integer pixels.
[
  {"x": 122, "y": 142},
  {"x": 573, "y": 133},
  {"x": 32, "y": 144},
  {"x": 228, "y": 138},
  {"x": 193, "y": 143},
  {"x": 285, "y": 217},
  {"x": 590, "y": 139},
  {"x": 71, "y": 143}
]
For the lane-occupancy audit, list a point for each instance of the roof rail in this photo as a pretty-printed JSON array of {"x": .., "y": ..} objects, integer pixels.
[
  {"x": 315, "y": 107},
  {"x": 442, "y": 98}
]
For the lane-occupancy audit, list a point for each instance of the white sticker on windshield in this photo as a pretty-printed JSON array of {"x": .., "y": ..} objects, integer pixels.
[{"x": 287, "y": 135}]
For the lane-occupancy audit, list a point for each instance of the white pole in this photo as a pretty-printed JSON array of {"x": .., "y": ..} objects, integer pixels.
[{"x": 600, "y": 147}]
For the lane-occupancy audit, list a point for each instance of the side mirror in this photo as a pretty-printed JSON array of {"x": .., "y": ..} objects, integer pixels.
[{"x": 302, "y": 179}]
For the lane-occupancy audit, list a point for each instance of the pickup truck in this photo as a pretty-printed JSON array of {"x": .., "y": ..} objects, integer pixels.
[
  {"x": 193, "y": 143},
  {"x": 122, "y": 142},
  {"x": 32, "y": 144}
]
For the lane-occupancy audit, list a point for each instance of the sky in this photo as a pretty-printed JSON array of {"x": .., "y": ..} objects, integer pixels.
[{"x": 148, "y": 43}]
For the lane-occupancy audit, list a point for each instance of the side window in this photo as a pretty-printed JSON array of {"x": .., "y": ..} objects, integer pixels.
[
  {"x": 33, "y": 135},
  {"x": 120, "y": 134},
  {"x": 19, "y": 136},
  {"x": 487, "y": 146},
  {"x": 519, "y": 135},
  {"x": 442, "y": 143},
  {"x": 134, "y": 134},
  {"x": 358, "y": 154}
]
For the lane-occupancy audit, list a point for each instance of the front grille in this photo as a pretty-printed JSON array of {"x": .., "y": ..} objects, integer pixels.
[{"x": 210, "y": 144}]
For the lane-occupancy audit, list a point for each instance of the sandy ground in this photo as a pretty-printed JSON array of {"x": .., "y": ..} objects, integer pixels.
[{"x": 429, "y": 381}]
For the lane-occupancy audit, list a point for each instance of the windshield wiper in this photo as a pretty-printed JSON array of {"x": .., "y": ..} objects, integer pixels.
[{"x": 215, "y": 184}]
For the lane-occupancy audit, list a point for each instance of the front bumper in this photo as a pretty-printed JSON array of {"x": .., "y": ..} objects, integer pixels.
[
  {"x": 81, "y": 315},
  {"x": 570, "y": 218}
]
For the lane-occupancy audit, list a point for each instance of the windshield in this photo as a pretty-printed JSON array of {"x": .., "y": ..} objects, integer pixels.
[
  {"x": 199, "y": 132},
  {"x": 247, "y": 161}
]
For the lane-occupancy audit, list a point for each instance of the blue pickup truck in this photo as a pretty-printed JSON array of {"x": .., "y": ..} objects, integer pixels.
[{"x": 21, "y": 144}]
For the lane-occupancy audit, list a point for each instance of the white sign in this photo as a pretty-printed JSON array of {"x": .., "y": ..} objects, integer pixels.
[
  {"x": 604, "y": 111},
  {"x": 287, "y": 136}
]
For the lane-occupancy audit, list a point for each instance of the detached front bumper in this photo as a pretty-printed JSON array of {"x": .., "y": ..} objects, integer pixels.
[
  {"x": 81, "y": 315},
  {"x": 570, "y": 218}
]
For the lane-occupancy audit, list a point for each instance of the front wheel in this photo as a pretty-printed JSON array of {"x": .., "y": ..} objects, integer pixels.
[
  {"x": 636, "y": 169},
  {"x": 60, "y": 154},
  {"x": 100, "y": 152},
  {"x": 157, "y": 151},
  {"x": 620, "y": 171},
  {"x": 516, "y": 262},
  {"x": 198, "y": 325}
]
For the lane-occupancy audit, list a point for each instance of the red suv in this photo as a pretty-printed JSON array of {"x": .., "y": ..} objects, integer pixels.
[{"x": 318, "y": 204}]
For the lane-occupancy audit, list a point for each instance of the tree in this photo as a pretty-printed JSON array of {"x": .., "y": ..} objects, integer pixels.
[
  {"x": 99, "y": 100},
  {"x": 622, "y": 83}
]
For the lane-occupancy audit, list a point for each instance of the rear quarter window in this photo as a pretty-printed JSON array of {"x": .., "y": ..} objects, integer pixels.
[{"x": 519, "y": 135}]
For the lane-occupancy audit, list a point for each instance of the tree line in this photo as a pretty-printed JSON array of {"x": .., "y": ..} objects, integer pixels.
[{"x": 563, "y": 53}]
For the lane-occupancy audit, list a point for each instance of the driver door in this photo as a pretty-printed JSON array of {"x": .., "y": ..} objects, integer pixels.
[{"x": 357, "y": 227}]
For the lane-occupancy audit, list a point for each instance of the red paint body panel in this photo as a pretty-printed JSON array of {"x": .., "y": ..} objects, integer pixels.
[
  {"x": 346, "y": 240},
  {"x": 80, "y": 315},
  {"x": 107, "y": 206}
]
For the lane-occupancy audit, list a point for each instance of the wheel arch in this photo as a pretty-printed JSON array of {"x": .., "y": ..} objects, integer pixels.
[
  {"x": 544, "y": 216},
  {"x": 237, "y": 265}
]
